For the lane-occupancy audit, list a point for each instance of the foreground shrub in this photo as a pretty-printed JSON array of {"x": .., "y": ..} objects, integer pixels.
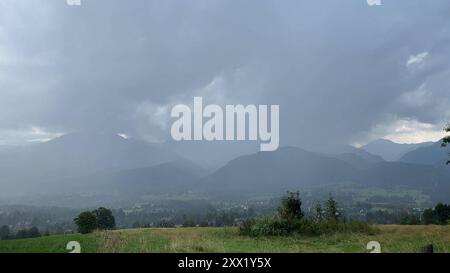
[
  {"x": 291, "y": 206},
  {"x": 290, "y": 220},
  {"x": 276, "y": 226},
  {"x": 273, "y": 226}
]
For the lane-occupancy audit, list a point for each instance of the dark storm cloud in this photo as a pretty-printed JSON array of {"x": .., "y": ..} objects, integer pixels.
[{"x": 336, "y": 68}]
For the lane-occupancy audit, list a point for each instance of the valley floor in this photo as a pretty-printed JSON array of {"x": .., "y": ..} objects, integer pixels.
[{"x": 393, "y": 238}]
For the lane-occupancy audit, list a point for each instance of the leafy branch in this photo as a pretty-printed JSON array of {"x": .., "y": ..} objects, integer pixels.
[{"x": 446, "y": 139}]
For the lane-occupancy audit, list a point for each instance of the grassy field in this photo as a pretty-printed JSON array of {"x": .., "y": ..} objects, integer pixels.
[{"x": 393, "y": 238}]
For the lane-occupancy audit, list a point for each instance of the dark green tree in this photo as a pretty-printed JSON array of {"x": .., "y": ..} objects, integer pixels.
[
  {"x": 86, "y": 222},
  {"x": 442, "y": 212},
  {"x": 291, "y": 206},
  {"x": 440, "y": 215},
  {"x": 5, "y": 233},
  {"x": 428, "y": 217},
  {"x": 331, "y": 210},
  {"x": 105, "y": 218},
  {"x": 34, "y": 232},
  {"x": 409, "y": 219}
]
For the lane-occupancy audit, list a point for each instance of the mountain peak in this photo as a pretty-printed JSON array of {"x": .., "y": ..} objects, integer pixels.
[
  {"x": 88, "y": 135},
  {"x": 382, "y": 141},
  {"x": 391, "y": 151}
]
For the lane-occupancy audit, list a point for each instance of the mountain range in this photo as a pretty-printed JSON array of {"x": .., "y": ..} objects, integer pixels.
[
  {"x": 100, "y": 163},
  {"x": 46, "y": 166},
  {"x": 294, "y": 168}
]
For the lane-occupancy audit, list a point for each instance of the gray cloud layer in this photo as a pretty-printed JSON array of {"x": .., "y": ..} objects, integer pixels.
[{"x": 338, "y": 69}]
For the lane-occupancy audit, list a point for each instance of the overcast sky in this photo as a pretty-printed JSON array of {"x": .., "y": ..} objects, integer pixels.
[{"x": 341, "y": 71}]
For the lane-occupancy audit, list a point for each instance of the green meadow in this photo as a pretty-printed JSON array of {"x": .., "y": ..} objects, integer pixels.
[{"x": 393, "y": 238}]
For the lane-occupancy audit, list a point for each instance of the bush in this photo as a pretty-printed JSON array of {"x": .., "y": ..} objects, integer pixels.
[
  {"x": 290, "y": 220},
  {"x": 291, "y": 206},
  {"x": 273, "y": 226},
  {"x": 246, "y": 227},
  {"x": 276, "y": 226}
]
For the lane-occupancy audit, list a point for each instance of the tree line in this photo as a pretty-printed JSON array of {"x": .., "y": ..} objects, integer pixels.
[
  {"x": 87, "y": 221},
  {"x": 439, "y": 215},
  {"x": 7, "y": 234}
]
